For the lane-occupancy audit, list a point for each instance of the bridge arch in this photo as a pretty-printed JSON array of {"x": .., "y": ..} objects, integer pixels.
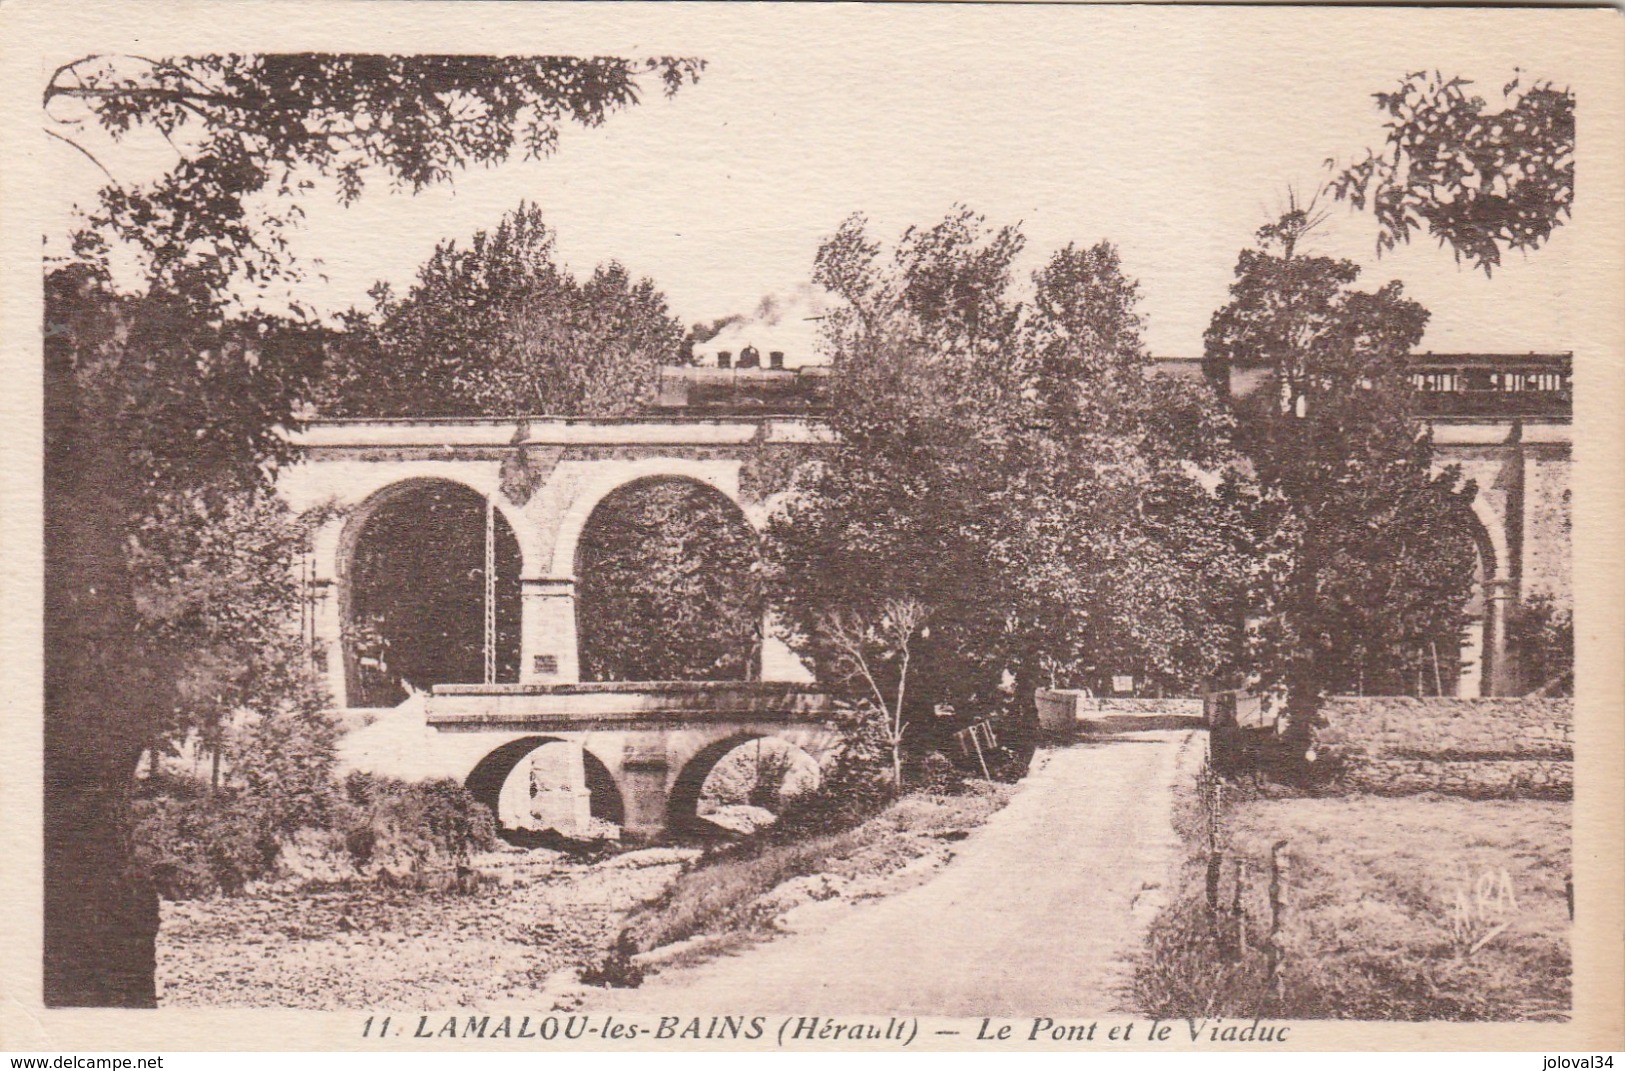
[
  {"x": 490, "y": 776},
  {"x": 683, "y": 798},
  {"x": 410, "y": 566},
  {"x": 1490, "y": 535}
]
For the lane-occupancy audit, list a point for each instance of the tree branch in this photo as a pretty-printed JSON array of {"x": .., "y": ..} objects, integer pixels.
[{"x": 87, "y": 154}]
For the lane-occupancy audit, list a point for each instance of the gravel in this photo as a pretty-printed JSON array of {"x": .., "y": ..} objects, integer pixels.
[{"x": 534, "y": 914}]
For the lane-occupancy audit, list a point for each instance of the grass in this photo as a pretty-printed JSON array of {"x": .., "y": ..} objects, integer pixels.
[
  {"x": 1410, "y": 908},
  {"x": 723, "y": 893}
]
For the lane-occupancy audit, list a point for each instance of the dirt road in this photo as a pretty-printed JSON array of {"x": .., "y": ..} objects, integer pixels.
[{"x": 1039, "y": 912}]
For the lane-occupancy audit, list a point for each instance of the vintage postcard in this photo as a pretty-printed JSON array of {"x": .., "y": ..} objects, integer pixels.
[{"x": 804, "y": 527}]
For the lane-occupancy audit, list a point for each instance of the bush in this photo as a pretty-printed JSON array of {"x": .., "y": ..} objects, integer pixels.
[
  {"x": 399, "y": 827},
  {"x": 285, "y": 762},
  {"x": 856, "y": 785},
  {"x": 616, "y": 970},
  {"x": 1541, "y": 639},
  {"x": 194, "y": 845}
]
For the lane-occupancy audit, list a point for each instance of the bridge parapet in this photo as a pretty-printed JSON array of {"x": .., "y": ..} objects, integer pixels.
[
  {"x": 617, "y": 705},
  {"x": 1494, "y": 386}
]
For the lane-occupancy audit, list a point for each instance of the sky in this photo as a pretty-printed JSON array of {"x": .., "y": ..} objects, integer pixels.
[{"x": 1173, "y": 132}]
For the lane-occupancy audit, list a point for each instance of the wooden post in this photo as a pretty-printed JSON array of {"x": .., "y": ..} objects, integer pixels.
[
  {"x": 1215, "y": 844},
  {"x": 1280, "y": 874},
  {"x": 1215, "y": 863},
  {"x": 1238, "y": 912},
  {"x": 975, "y": 738}
]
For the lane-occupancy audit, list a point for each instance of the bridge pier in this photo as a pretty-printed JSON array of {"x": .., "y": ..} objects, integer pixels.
[
  {"x": 548, "y": 652},
  {"x": 645, "y": 774},
  {"x": 1500, "y": 596}
]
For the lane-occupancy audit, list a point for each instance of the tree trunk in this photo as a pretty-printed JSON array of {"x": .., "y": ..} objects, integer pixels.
[
  {"x": 101, "y": 916},
  {"x": 102, "y": 694},
  {"x": 1303, "y": 711}
]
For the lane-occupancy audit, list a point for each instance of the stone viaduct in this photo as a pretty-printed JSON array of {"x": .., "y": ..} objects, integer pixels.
[
  {"x": 1504, "y": 419},
  {"x": 642, "y": 749}
]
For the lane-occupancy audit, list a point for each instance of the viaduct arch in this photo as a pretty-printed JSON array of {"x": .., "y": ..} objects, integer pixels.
[
  {"x": 362, "y": 466},
  {"x": 1523, "y": 510},
  {"x": 712, "y": 533}
]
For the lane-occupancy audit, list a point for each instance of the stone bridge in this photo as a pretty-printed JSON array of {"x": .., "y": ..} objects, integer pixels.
[{"x": 638, "y": 754}]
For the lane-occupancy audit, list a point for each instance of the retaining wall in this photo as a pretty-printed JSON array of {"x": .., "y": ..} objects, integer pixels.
[{"x": 1489, "y": 748}]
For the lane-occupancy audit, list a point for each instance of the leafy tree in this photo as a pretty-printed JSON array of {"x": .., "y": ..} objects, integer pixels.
[
  {"x": 247, "y": 125},
  {"x": 152, "y": 398},
  {"x": 157, "y": 420},
  {"x": 1010, "y": 465},
  {"x": 670, "y": 587},
  {"x": 1131, "y": 555},
  {"x": 526, "y": 336},
  {"x": 1366, "y": 559},
  {"x": 908, "y": 502},
  {"x": 1477, "y": 181},
  {"x": 216, "y": 588}
]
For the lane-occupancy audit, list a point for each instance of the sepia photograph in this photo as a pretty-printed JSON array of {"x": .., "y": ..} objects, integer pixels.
[{"x": 873, "y": 526}]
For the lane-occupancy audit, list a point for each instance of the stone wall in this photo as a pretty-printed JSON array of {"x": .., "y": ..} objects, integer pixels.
[
  {"x": 1064, "y": 710},
  {"x": 1490, "y": 748}
]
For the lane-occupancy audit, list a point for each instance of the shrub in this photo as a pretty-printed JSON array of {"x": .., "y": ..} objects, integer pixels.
[
  {"x": 616, "y": 970},
  {"x": 285, "y": 760},
  {"x": 1541, "y": 637},
  {"x": 194, "y": 845},
  {"x": 856, "y": 785},
  {"x": 400, "y": 827}
]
